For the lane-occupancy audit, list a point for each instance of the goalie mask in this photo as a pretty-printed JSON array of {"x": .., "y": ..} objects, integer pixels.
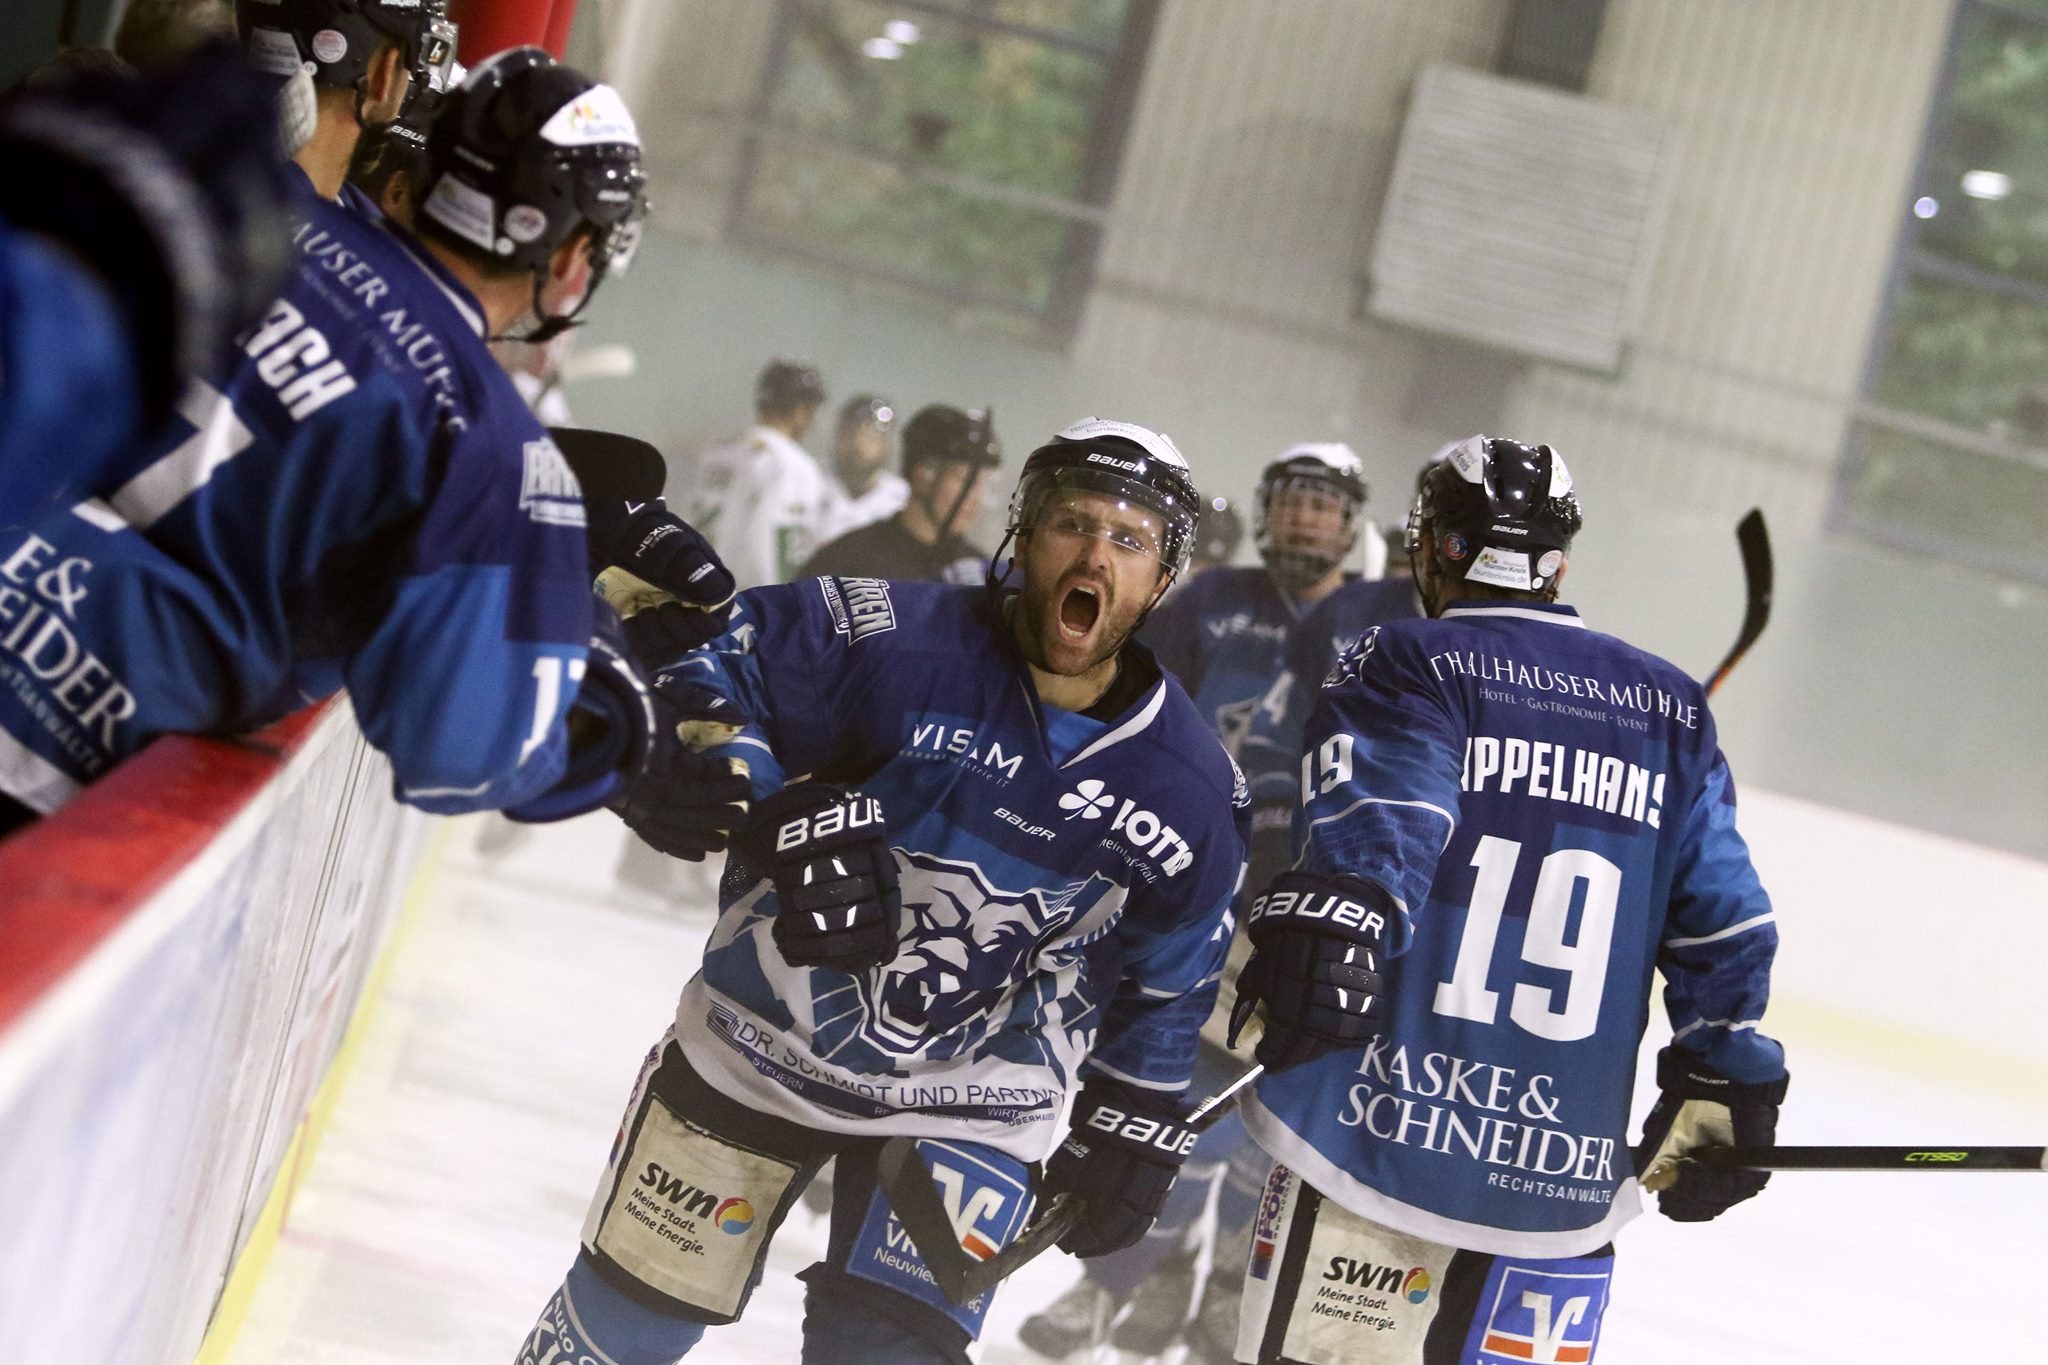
[
  {"x": 1305, "y": 514},
  {"x": 525, "y": 154},
  {"x": 1498, "y": 512}
]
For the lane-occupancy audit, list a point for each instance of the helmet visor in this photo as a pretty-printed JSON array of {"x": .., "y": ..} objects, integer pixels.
[{"x": 1127, "y": 514}]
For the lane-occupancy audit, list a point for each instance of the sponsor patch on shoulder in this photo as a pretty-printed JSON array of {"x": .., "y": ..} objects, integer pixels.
[
  {"x": 1344, "y": 668},
  {"x": 548, "y": 492},
  {"x": 860, "y": 607}
]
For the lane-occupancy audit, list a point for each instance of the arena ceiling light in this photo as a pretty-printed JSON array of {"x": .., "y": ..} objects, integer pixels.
[{"x": 1987, "y": 184}]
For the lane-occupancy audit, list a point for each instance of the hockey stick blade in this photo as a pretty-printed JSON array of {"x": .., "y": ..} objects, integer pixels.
[
  {"x": 901, "y": 1173},
  {"x": 1759, "y": 582},
  {"x": 1958, "y": 1158}
]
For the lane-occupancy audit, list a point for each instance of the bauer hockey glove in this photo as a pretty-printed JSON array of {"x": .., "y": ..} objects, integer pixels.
[
  {"x": 687, "y": 803},
  {"x": 1699, "y": 1107},
  {"x": 169, "y": 186},
  {"x": 828, "y": 852},
  {"x": 1121, "y": 1156},
  {"x": 1318, "y": 948}
]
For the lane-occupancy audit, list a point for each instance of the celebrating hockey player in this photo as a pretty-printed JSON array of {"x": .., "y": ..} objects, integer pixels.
[
  {"x": 987, "y": 873},
  {"x": 1529, "y": 815},
  {"x": 947, "y": 454},
  {"x": 1224, "y": 636},
  {"x": 759, "y": 495},
  {"x": 363, "y": 500}
]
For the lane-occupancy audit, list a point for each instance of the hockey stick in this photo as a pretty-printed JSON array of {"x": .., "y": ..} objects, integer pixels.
[
  {"x": 901, "y": 1173},
  {"x": 1757, "y": 577},
  {"x": 1873, "y": 1158}
]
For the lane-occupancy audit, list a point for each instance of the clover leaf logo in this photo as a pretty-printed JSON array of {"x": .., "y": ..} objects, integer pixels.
[{"x": 1088, "y": 800}]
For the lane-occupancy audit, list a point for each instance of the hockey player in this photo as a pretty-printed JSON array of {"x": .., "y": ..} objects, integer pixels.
[
  {"x": 362, "y": 501},
  {"x": 1222, "y": 533},
  {"x": 1529, "y": 815},
  {"x": 390, "y": 162},
  {"x": 1224, "y": 634},
  {"x": 364, "y": 56},
  {"x": 946, "y": 454},
  {"x": 1003, "y": 888},
  {"x": 141, "y": 226},
  {"x": 759, "y": 495},
  {"x": 862, "y": 489}
]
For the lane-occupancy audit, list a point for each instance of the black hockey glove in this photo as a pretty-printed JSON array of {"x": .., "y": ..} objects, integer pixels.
[
  {"x": 1699, "y": 1107},
  {"x": 671, "y": 587},
  {"x": 1318, "y": 948},
  {"x": 1120, "y": 1156},
  {"x": 687, "y": 803},
  {"x": 169, "y": 185},
  {"x": 828, "y": 852}
]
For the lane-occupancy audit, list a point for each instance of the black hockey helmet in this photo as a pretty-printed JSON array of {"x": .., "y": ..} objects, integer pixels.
[
  {"x": 1500, "y": 512},
  {"x": 338, "y": 37},
  {"x": 526, "y": 153},
  {"x": 1221, "y": 532},
  {"x": 1119, "y": 460},
  {"x": 785, "y": 385},
  {"x": 403, "y": 143},
  {"x": 939, "y": 434},
  {"x": 1329, "y": 468},
  {"x": 868, "y": 410}
]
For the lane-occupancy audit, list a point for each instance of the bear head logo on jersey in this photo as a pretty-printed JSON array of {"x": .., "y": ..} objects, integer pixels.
[{"x": 968, "y": 949}]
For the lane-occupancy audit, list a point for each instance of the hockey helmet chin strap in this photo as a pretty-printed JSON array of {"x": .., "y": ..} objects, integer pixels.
[{"x": 547, "y": 326}]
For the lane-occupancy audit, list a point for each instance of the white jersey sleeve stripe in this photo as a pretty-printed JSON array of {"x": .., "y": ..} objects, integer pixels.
[
  {"x": 1732, "y": 1025},
  {"x": 1449, "y": 819},
  {"x": 1740, "y": 927}
]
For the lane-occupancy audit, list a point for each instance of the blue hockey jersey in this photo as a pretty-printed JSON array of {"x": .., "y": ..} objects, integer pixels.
[
  {"x": 361, "y": 501},
  {"x": 1224, "y": 636},
  {"x": 1271, "y": 751},
  {"x": 68, "y": 396},
  {"x": 1551, "y": 810},
  {"x": 1065, "y": 879}
]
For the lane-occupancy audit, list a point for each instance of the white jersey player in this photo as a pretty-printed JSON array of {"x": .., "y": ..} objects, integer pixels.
[{"x": 759, "y": 496}]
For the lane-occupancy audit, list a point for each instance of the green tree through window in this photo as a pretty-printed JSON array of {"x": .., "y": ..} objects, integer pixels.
[
  {"x": 966, "y": 147},
  {"x": 1948, "y": 451}
]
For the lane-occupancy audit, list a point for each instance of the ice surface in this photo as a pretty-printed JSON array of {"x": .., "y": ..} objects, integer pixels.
[{"x": 444, "y": 1204}]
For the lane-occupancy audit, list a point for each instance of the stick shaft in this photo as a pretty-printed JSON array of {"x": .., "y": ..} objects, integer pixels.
[{"x": 1957, "y": 1158}]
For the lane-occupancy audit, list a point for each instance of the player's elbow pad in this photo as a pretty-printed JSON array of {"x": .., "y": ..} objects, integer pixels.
[{"x": 611, "y": 732}]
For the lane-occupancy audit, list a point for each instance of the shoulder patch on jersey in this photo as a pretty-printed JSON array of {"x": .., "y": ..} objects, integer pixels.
[
  {"x": 860, "y": 607},
  {"x": 1240, "y": 792},
  {"x": 549, "y": 493},
  {"x": 1351, "y": 658}
]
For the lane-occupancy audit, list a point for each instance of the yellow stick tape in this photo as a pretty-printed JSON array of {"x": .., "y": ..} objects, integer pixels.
[{"x": 254, "y": 1260}]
